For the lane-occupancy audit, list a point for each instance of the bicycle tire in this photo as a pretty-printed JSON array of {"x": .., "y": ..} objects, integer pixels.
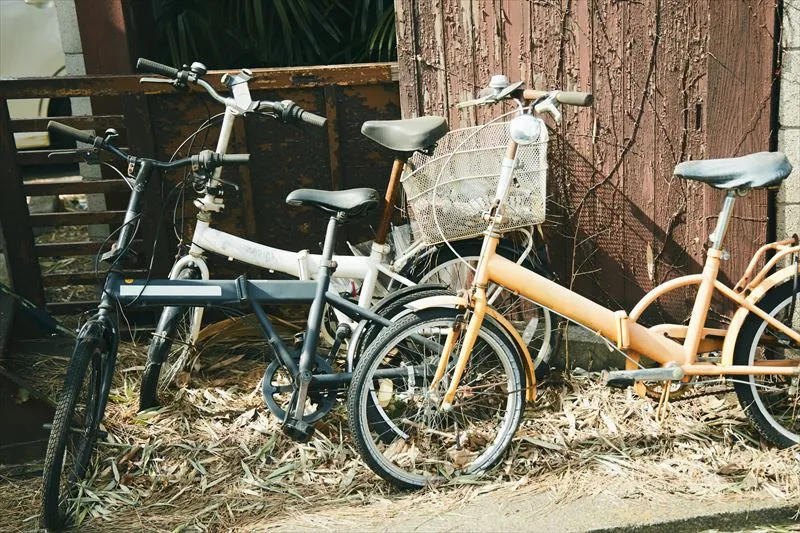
[
  {"x": 164, "y": 363},
  {"x": 392, "y": 310},
  {"x": 417, "y": 452},
  {"x": 772, "y": 403},
  {"x": 538, "y": 326},
  {"x": 88, "y": 358}
]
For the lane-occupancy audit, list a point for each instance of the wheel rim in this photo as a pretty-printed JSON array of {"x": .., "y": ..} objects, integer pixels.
[
  {"x": 782, "y": 410},
  {"x": 418, "y": 443},
  {"x": 532, "y": 322}
]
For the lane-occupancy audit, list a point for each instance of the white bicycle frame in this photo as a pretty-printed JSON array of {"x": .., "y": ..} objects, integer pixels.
[{"x": 302, "y": 264}]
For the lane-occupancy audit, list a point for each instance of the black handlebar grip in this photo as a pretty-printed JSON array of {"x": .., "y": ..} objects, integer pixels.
[
  {"x": 68, "y": 131},
  {"x": 153, "y": 67},
  {"x": 235, "y": 159},
  {"x": 293, "y": 112},
  {"x": 575, "y": 98}
]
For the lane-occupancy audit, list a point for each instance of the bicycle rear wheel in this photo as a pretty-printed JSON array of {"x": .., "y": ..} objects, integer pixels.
[
  {"x": 394, "y": 414},
  {"x": 75, "y": 428},
  {"x": 771, "y": 402}
]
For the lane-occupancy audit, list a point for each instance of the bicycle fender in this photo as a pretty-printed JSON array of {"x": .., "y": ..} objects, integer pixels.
[
  {"x": 755, "y": 295},
  {"x": 461, "y": 302}
]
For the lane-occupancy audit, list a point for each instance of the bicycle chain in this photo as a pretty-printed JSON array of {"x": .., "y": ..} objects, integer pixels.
[{"x": 712, "y": 392}]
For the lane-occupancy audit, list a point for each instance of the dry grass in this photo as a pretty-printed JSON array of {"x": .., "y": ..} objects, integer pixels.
[{"x": 214, "y": 459}]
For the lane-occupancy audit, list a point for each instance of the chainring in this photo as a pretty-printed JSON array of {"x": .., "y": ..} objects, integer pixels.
[{"x": 278, "y": 389}]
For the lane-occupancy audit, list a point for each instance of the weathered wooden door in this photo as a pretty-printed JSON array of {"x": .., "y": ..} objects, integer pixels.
[{"x": 672, "y": 79}]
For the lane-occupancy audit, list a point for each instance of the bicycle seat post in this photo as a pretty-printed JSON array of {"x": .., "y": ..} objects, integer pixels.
[
  {"x": 723, "y": 221},
  {"x": 391, "y": 193}
]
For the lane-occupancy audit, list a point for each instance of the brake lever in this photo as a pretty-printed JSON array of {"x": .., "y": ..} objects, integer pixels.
[
  {"x": 178, "y": 84},
  {"x": 549, "y": 105},
  {"x": 201, "y": 182},
  {"x": 90, "y": 157}
]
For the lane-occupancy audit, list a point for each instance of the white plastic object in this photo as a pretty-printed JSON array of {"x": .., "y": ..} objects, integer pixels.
[{"x": 525, "y": 129}]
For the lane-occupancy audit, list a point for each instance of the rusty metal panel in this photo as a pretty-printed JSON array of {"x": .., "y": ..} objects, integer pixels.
[
  {"x": 285, "y": 157},
  {"x": 671, "y": 81}
]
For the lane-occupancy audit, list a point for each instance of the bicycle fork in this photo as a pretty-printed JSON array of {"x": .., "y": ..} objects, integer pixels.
[{"x": 478, "y": 304}]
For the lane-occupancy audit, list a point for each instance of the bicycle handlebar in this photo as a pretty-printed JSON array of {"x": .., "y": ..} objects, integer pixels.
[
  {"x": 206, "y": 159},
  {"x": 286, "y": 110}
]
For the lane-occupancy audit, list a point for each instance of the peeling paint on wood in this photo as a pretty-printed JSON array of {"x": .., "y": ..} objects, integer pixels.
[{"x": 672, "y": 81}]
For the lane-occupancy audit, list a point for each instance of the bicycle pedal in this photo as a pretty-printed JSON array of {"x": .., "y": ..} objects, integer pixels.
[
  {"x": 625, "y": 378},
  {"x": 298, "y": 430},
  {"x": 100, "y": 433},
  {"x": 617, "y": 383}
]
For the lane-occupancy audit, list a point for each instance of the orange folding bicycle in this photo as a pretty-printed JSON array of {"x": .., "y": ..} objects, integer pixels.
[{"x": 467, "y": 371}]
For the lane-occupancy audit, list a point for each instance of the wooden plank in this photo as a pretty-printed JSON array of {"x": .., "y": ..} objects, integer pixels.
[
  {"x": 36, "y": 188},
  {"x": 679, "y": 86},
  {"x": 273, "y": 78},
  {"x": 430, "y": 69},
  {"x": 52, "y": 249},
  {"x": 459, "y": 42},
  {"x": 407, "y": 46},
  {"x": 84, "y": 278},
  {"x": 98, "y": 123},
  {"x": 599, "y": 267},
  {"x": 642, "y": 26},
  {"x": 333, "y": 137},
  {"x": 23, "y": 266},
  {"x": 739, "y": 99},
  {"x": 76, "y": 218}
]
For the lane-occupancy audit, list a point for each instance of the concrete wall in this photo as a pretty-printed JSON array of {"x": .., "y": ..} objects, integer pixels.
[
  {"x": 76, "y": 66},
  {"x": 788, "y": 208}
]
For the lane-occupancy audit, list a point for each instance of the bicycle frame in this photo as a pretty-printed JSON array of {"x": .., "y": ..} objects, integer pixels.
[
  {"x": 119, "y": 290},
  {"x": 660, "y": 343},
  {"x": 302, "y": 264}
]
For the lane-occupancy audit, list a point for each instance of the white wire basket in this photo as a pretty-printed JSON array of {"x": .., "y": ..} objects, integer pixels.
[{"x": 448, "y": 192}]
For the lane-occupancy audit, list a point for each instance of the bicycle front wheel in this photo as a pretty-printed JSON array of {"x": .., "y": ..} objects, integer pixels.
[
  {"x": 537, "y": 326},
  {"x": 771, "y": 402},
  {"x": 394, "y": 414},
  {"x": 172, "y": 347},
  {"x": 74, "y": 431}
]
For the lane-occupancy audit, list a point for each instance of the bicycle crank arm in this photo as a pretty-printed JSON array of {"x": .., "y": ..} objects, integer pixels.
[
  {"x": 626, "y": 378},
  {"x": 100, "y": 433}
]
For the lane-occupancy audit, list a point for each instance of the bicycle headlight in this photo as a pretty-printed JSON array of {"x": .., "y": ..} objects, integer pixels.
[{"x": 525, "y": 129}]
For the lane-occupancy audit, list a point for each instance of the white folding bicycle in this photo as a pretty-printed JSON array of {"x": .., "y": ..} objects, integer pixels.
[{"x": 449, "y": 265}]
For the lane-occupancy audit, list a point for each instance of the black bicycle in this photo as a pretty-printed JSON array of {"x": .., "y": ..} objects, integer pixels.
[{"x": 312, "y": 385}]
